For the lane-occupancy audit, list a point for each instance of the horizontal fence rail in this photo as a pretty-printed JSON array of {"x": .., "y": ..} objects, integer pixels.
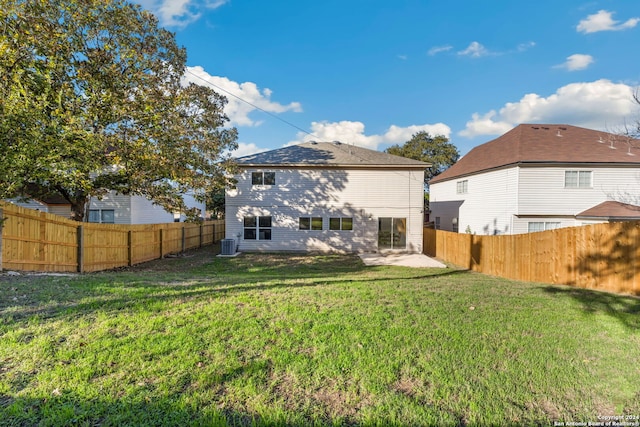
[
  {"x": 600, "y": 256},
  {"x": 39, "y": 241}
]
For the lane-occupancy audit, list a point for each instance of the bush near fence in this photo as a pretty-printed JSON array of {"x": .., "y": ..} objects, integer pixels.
[
  {"x": 38, "y": 241},
  {"x": 601, "y": 256}
]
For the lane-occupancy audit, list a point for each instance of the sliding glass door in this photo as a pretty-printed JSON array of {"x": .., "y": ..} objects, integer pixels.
[{"x": 392, "y": 233}]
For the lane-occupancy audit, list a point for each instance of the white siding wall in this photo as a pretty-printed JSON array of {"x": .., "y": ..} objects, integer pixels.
[
  {"x": 30, "y": 204},
  {"x": 138, "y": 209},
  {"x": 488, "y": 207},
  {"x": 535, "y": 194},
  {"x": 364, "y": 195},
  {"x": 120, "y": 204},
  {"x": 62, "y": 210},
  {"x": 542, "y": 190}
]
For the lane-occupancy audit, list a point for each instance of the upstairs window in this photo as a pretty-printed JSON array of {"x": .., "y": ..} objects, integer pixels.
[
  {"x": 104, "y": 216},
  {"x": 306, "y": 223},
  {"x": 344, "y": 224},
  {"x": 462, "y": 186},
  {"x": 577, "y": 179},
  {"x": 263, "y": 178}
]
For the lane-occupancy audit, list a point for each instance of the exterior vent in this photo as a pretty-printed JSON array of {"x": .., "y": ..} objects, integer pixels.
[{"x": 228, "y": 247}]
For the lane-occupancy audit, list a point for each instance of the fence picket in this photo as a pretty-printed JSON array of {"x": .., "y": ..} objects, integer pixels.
[
  {"x": 600, "y": 256},
  {"x": 38, "y": 241}
]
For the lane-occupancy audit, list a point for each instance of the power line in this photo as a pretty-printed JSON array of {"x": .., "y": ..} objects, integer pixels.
[
  {"x": 251, "y": 104},
  {"x": 281, "y": 119}
]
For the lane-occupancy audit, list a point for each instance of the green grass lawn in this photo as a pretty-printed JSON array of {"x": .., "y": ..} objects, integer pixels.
[{"x": 298, "y": 340}]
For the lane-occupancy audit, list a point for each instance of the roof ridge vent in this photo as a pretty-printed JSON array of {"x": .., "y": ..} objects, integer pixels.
[{"x": 337, "y": 142}]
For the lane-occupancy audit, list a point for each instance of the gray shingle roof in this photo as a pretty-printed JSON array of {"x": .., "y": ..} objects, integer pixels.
[
  {"x": 543, "y": 143},
  {"x": 323, "y": 154}
]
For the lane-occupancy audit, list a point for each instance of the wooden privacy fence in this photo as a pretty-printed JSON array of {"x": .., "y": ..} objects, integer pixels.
[
  {"x": 601, "y": 256},
  {"x": 38, "y": 241}
]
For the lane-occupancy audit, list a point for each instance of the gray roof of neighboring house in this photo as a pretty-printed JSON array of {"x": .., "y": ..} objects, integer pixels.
[
  {"x": 328, "y": 154},
  {"x": 543, "y": 144},
  {"x": 611, "y": 210}
]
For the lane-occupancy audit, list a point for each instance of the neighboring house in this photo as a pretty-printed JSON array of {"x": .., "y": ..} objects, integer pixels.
[
  {"x": 56, "y": 205},
  {"x": 328, "y": 197},
  {"x": 539, "y": 177},
  {"x": 113, "y": 208}
]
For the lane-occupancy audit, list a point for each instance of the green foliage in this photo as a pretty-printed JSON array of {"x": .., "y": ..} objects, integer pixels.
[
  {"x": 436, "y": 150},
  {"x": 93, "y": 100},
  {"x": 217, "y": 203}
]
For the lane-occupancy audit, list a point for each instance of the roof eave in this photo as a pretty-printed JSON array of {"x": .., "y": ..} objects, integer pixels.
[
  {"x": 538, "y": 163},
  {"x": 329, "y": 166}
]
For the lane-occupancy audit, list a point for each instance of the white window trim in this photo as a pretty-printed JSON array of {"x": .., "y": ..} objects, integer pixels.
[
  {"x": 462, "y": 187},
  {"x": 578, "y": 173},
  {"x": 341, "y": 223},
  {"x": 262, "y": 174},
  {"x": 257, "y": 228},
  {"x": 100, "y": 213},
  {"x": 311, "y": 218}
]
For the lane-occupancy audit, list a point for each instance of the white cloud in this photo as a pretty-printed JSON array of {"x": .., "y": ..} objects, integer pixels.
[
  {"x": 179, "y": 13},
  {"x": 596, "y": 105},
  {"x": 237, "y": 110},
  {"x": 475, "y": 50},
  {"x": 245, "y": 149},
  {"x": 353, "y": 133},
  {"x": 438, "y": 49},
  {"x": 603, "y": 21},
  {"x": 525, "y": 46},
  {"x": 576, "y": 62}
]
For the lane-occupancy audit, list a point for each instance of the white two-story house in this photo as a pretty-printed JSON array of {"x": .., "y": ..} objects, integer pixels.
[
  {"x": 539, "y": 177},
  {"x": 326, "y": 197}
]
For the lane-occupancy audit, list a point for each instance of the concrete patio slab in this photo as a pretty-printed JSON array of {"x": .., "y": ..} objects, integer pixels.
[{"x": 404, "y": 260}]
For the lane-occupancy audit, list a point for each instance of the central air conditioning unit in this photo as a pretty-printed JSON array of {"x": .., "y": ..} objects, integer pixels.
[{"x": 228, "y": 247}]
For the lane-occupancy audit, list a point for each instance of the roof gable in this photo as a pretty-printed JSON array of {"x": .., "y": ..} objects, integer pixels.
[
  {"x": 326, "y": 154},
  {"x": 540, "y": 143},
  {"x": 612, "y": 210}
]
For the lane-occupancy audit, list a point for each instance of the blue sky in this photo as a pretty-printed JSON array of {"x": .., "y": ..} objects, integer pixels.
[{"x": 374, "y": 72}]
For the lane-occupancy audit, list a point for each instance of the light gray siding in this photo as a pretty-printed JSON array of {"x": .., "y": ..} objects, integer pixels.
[
  {"x": 487, "y": 207},
  {"x": 119, "y": 203},
  {"x": 362, "y": 194},
  {"x": 62, "y": 210},
  {"x": 505, "y": 201},
  {"x": 30, "y": 204},
  {"x": 138, "y": 209},
  {"x": 542, "y": 190}
]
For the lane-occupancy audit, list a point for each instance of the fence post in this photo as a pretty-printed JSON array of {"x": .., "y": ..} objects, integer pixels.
[
  {"x": 200, "y": 235},
  {"x": 161, "y": 243},
  {"x": 80, "y": 233},
  {"x": 130, "y": 248},
  {"x": 184, "y": 238},
  {"x": 1, "y": 227}
]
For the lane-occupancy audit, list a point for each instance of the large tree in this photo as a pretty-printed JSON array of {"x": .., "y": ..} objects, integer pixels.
[
  {"x": 436, "y": 150},
  {"x": 92, "y": 99}
]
